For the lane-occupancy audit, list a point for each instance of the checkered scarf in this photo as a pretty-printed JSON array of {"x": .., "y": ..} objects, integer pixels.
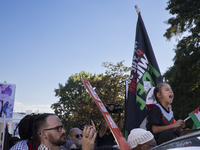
[
  {"x": 20, "y": 145},
  {"x": 43, "y": 147}
]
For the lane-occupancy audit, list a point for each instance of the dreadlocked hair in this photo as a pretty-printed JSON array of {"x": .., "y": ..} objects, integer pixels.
[{"x": 25, "y": 127}]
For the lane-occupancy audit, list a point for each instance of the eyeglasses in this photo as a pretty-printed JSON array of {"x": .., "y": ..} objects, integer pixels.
[
  {"x": 58, "y": 128},
  {"x": 78, "y": 135}
]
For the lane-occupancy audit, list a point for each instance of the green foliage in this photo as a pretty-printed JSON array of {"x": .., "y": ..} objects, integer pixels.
[
  {"x": 184, "y": 79},
  {"x": 111, "y": 88},
  {"x": 186, "y": 18},
  {"x": 184, "y": 76},
  {"x": 75, "y": 103}
]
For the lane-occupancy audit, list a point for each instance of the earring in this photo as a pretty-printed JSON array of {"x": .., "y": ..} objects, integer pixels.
[{"x": 45, "y": 136}]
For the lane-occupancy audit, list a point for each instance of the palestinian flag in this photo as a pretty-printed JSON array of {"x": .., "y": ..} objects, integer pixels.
[{"x": 195, "y": 115}]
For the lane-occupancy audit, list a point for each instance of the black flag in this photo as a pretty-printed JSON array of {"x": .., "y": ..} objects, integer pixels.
[
  {"x": 6, "y": 139},
  {"x": 144, "y": 73}
]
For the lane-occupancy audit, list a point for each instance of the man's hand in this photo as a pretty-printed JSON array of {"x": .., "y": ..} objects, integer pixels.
[{"x": 89, "y": 136}]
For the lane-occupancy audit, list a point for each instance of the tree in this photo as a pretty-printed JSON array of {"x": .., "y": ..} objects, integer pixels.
[
  {"x": 111, "y": 88},
  {"x": 75, "y": 103},
  {"x": 184, "y": 75}
]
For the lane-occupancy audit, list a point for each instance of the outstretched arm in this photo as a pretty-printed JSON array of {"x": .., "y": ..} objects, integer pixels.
[
  {"x": 103, "y": 128},
  {"x": 120, "y": 122},
  {"x": 104, "y": 125}
]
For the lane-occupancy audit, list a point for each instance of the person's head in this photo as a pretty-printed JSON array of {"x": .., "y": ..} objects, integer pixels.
[
  {"x": 140, "y": 139},
  {"x": 75, "y": 135},
  {"x": 25, "y": 127},
  {"x": 50, "y": 130},
  {"x": 107, "y": 130},
  {"x": 163, "y": 93}
]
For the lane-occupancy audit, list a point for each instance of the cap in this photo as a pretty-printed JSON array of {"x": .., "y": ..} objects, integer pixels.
[{"x": 139, "y": 136}]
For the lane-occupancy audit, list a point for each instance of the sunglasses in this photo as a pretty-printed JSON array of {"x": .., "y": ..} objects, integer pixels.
[
  {"x": 78, "y": 135},
  {"x": 58, "y": 128}
]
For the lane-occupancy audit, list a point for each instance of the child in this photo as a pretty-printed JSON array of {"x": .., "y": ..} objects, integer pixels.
[{"x": 161, "y": 121}]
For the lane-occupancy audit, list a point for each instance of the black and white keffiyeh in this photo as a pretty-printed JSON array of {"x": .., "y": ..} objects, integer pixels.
[
  {"x": 20, "y": 145},
  {"x": 43, "y": 147}
]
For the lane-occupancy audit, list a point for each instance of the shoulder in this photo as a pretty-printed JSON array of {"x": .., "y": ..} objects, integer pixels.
[
  {"x": 20, "y": 145},
  {"x": 68, "y": 144},
  {"x": 155, "y": 107},
  {"x": 63, "y": 148},
  {"x": 155, "y": 112}
]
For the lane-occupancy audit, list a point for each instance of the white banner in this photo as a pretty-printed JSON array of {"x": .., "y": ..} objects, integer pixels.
[{"x": 7, "y": 96}]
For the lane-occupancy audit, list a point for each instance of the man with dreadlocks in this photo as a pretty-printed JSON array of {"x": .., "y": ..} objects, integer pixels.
[{"x": 26, "y": 134}]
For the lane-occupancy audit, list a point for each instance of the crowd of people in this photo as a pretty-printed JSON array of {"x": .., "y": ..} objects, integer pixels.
[{"x": 46, "y": 132}]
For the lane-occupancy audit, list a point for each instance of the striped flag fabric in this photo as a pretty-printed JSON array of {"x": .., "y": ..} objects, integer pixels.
[{"x": 195, "y": 116}]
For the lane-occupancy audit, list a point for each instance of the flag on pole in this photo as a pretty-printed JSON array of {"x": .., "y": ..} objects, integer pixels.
[
  {"x": 195, "y": 115},
  {"x": 145, "y": 74}
]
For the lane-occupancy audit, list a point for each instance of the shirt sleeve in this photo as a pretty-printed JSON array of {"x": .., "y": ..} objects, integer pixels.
[{"x": 155, "y": 116}]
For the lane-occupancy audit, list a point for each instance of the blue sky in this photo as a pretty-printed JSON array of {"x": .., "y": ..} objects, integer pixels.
[{"x": 44, "y": 42}]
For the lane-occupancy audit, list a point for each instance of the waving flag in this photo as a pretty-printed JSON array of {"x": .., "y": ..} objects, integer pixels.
[
  {"x": 195, "y": 115},
  {"x": 145, "y": 74}
]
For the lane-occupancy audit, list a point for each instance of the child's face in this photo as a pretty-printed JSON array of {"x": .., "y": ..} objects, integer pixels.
[{"x": 166, "y": 94}]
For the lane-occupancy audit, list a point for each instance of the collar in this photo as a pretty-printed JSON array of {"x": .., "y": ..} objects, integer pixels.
[
  {"x": 168, "y": 111},
  {"x": 43, "y": 147}
]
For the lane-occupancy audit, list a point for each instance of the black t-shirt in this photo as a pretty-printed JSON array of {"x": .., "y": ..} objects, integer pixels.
[
  {"x": 159, "y": 118},
  {"x": 107, "y": 139}
]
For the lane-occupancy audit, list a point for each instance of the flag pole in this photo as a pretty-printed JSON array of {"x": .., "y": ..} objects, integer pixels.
[
  {"x": 137, "y": 9},
  {"x": 187, "y": 118},
  {"x": 4, "y": 126}
]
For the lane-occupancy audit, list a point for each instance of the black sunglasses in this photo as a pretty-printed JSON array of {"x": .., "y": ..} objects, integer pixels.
[
  {"x": 58, "y": 128},
  {"x": 77, "y": 135}
]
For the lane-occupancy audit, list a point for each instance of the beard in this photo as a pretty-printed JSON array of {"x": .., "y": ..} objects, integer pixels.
[
  {"x": 79, "y": 143},
  {"x": 60, "y": 141}
]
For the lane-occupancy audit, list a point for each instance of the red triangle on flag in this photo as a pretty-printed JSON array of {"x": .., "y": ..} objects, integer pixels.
[{"x": 196, "y": 111}]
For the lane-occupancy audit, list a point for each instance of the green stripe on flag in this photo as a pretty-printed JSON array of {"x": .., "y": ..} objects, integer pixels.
[{"x": 195, "y": 120}]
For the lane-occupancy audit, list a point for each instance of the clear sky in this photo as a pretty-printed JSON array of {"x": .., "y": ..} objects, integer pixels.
[{"x": 44, "y": 42}]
